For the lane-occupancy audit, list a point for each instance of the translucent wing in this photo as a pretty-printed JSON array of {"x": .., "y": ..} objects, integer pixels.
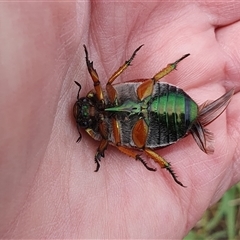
[{"x": 209, "y": 111}]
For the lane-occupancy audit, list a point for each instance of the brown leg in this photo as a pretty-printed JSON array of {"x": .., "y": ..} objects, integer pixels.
[
  {"x": 170, "y": 67},
  {"x": 112, "y": 94},
  {"x": 116, "y": 131},
  {"x": 94, "y": 75},
  {"x": 146, "y": 88},
  {"x": 134, "y": 155},
  {"x": 140, "y": 133},
  {"x": 123, "y": 67},
  {"x": 100, "y": 152},
  {"x": 110, "y": 89},
  {"x": 103, "y": 143},
  {"x": 163, "y": 163}
]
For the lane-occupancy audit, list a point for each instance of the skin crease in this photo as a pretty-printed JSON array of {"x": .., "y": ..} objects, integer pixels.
[{"x": 48, "y": 188}]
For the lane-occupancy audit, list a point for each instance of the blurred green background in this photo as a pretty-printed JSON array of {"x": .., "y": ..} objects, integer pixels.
[{"x": 222, "y": 220}]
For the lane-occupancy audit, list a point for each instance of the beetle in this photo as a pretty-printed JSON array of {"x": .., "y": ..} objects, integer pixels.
[{"x": 143, "y": 115}]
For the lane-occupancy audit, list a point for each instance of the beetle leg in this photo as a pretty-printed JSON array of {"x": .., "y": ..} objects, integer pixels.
[
  {"x": 163, "y": 163},
  {"x": 112, "y": 94},
  {"x": 123, "y": 67},
  {"x": 103, "y": 143},
  {"x": 169, "y": 68},
  {"x": 100, "y": 152},
  {"x": 116, "y": 131},
  {"x": 134, "y": 155},
  {"x": 94, "y": 76},
  {"x": 140, "y": 133},
  {"x": 146, "y": 87}
]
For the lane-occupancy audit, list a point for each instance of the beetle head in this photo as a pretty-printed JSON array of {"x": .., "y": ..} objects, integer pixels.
[{"x": 84, "y": 112}]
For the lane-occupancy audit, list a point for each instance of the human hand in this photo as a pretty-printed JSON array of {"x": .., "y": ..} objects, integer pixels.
[{"x": 48, "y": 187}]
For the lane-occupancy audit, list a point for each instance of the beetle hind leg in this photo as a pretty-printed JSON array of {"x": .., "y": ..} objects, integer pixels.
[
  {"x": 169, "y": 68},
  {"x": 170, "y": 170},
  {"x": 145, "y": 164},
  {"x": 163, "y": 163}
]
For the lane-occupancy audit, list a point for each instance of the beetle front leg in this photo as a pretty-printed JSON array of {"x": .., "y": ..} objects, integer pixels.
[
  {"x": 169, "y": 68},
  {"x": 94, "y": 76},
  {"x": 100, "y": 152},
  {"x": 163, "y": 163},
  {"x": 103, "y": 143}
]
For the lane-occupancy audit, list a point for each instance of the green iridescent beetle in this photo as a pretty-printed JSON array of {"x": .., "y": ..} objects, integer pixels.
[{"x": 144, "y": 115}]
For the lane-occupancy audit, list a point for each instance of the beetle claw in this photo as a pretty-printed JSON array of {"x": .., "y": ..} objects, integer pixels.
[
  {"x": 174, "y": 175},
  {"x": 98, "y": 165},
  {"x": 145, "y": 164},
  {"x": 97, "y": 168},
  {"x": 97, "y": 160}
]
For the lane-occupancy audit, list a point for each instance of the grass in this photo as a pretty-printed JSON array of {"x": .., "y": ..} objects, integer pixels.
[{"x": 222, "y": 220}]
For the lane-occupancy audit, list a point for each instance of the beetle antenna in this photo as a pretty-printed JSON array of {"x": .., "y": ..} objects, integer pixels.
[
  {"x": 80, "y": 138},
  {"x": 79, "y": 85},
  {"x": 80, "y": 135}
]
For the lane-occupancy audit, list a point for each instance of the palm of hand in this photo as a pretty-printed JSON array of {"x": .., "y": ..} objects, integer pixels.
[{"x": 52, "y": 190}]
